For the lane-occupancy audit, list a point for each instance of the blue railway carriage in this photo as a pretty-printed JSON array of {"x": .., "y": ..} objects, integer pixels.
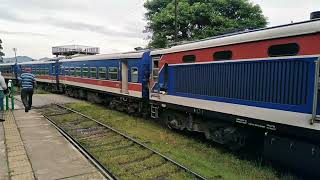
[
  {"x": 119, "y": 79},
  {"x": 8, "y": 70},
  {"x": 260, "y": 84},
  {"x": 44, "y": 72}
]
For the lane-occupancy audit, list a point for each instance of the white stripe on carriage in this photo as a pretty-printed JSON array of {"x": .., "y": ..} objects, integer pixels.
[
  {"x": 103, "y": 88},
  {"x": 270, "y": 115}
]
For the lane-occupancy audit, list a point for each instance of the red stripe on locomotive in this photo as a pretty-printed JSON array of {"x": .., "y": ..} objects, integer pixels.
[{"x": 250, "y": 50}]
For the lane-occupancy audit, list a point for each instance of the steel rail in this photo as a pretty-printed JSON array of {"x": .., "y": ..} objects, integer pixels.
[
  {"x": 105, "y": 172},
  {"x": 137, "y": 142}
]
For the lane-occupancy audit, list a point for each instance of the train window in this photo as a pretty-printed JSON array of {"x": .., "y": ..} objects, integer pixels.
[
  {"x": 72, "y": 71},
  {"x": 113, "y": 73},
  {"x": 46, "y": 71},
  {"x": 85, "y": 72},
  {"x": 66, "y": 71},
  {"x": 222, "y": 55},
  {"x": 102, "y": 73},
  {"x": 61, "y": 70},
  {"x": 53, "y": 69},
  {"x": 189, "y": 58},
  {"x": 93, "y": 73},
  {"x": 290, "y": 49},
  {"x": 134, "y": 75},
  {"x": 155, "y": 68},
  {"x": 78, "y": 71}
]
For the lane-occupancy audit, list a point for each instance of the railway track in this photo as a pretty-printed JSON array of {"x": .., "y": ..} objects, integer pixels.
[{"x": 115, "y": 154}]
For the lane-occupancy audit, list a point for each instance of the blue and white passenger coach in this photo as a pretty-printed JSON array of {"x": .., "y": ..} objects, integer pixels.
[{"x": 120, "y": 79}]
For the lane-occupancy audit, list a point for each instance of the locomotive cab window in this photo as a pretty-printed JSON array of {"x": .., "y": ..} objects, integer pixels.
[
  {"x": 222, "y": 55},
  {"x": 134, "y": 75},
  {"x": 291, "y": 49},
  {"x": 93, "y": 72},
  {"x": 113, "y": 73},
  {"x": 102, "y": 73},
  {"x": 155, "y": 68},
  {"x": 85, "y": 72},
  {"x": 189, "y": 58}
]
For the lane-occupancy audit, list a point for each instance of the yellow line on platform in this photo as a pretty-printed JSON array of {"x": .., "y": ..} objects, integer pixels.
[{"x": 19, "y": 165}]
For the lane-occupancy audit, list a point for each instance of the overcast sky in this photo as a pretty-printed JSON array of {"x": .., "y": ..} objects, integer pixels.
[{"x": 34, "y": 26}]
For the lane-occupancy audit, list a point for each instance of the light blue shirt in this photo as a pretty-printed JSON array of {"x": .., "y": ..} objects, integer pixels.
[{"x": 27, "y": 80}]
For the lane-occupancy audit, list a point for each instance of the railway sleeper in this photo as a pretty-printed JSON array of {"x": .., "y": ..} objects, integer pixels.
[
  {"x": 118, "y": 146},
  {"x": 147, "y": 167},
  {"x": 161, "y": 171},
  {"x": 154, "y": 160},
  {"x": 129, "y": 151},
  {"x": 97, "y": 138},
  {"x": 105, "y": 144},
  {"x": 108, "y": 138},
  {"x": 138, "y": 156}
]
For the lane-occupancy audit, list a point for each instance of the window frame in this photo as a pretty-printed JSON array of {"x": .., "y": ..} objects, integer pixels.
[
  {"x": 77, "y": 71},
  {"x": 53, "y": 69},
  {"x": 105, "y": 73},
  {"x": 214, "y": 55},
  {"x": 46, "y": 71},
  {"x": 297, "y": 46},
  {"x": 72, "y": 71},
  {"x": 188, "y": 61},
  {"x": 90, "y": 72},
  {"x": 155, "y": 70},
  {"x": 131, "y": 73},
  {"x": 85, "y": 72},
  {"x": 112, "y": 73},
  {"x": 66, "y": 71}
]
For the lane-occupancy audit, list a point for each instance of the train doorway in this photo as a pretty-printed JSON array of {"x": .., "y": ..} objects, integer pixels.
[{"x": 124, "y": 76}]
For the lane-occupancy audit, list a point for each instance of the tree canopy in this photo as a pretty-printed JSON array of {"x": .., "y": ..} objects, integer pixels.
[
  {"x": 1, "y": 53},
  {"x": 198, "y": 19}
]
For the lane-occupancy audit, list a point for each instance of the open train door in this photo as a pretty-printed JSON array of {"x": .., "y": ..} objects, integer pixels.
[{"x": 124, "y": 76}]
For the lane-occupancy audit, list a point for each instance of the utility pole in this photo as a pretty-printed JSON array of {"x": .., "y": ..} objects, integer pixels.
[
  {"x": 15, "y": 54},
  {"x": 16, "y": 65},
  {"x": 176, "y": 20}
]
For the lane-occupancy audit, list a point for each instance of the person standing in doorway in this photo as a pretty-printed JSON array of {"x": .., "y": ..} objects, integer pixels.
[
  {"x": 3, "y": 87},
  {"x": 28, "y": 83}
]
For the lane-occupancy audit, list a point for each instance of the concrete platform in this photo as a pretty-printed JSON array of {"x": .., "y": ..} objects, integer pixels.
[
  {"x": 46, "y": 99},
  {"x": 31, "y": 148}
]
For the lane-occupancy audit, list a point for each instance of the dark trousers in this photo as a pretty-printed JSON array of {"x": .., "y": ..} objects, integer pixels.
[{"x": 26, "y": 97}]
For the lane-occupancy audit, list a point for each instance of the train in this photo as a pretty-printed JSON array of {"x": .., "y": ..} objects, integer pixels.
[{"x": 261, "y": 83}]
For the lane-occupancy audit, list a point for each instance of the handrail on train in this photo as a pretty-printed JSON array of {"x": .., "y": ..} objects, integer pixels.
[{"x": 315, "y": 91}]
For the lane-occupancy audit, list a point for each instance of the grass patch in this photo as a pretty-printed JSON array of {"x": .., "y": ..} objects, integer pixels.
[
  {"x": 121, "y": 156},
  {"x": 17, "y": 91},
  {"x": 205, "y": 159}
]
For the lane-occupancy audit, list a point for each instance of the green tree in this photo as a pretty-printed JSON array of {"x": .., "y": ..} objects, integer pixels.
[
  {"x": 198, "y": 19},
  {"x": 1, "y": 53}
]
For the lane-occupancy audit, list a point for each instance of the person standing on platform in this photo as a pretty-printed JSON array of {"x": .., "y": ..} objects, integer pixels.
[
  {"x": 3, "y": 87},
  {"x": 28, "y": 83}
]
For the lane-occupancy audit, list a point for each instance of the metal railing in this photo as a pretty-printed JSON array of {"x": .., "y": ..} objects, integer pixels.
[{"x": 10, "y": 96}]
